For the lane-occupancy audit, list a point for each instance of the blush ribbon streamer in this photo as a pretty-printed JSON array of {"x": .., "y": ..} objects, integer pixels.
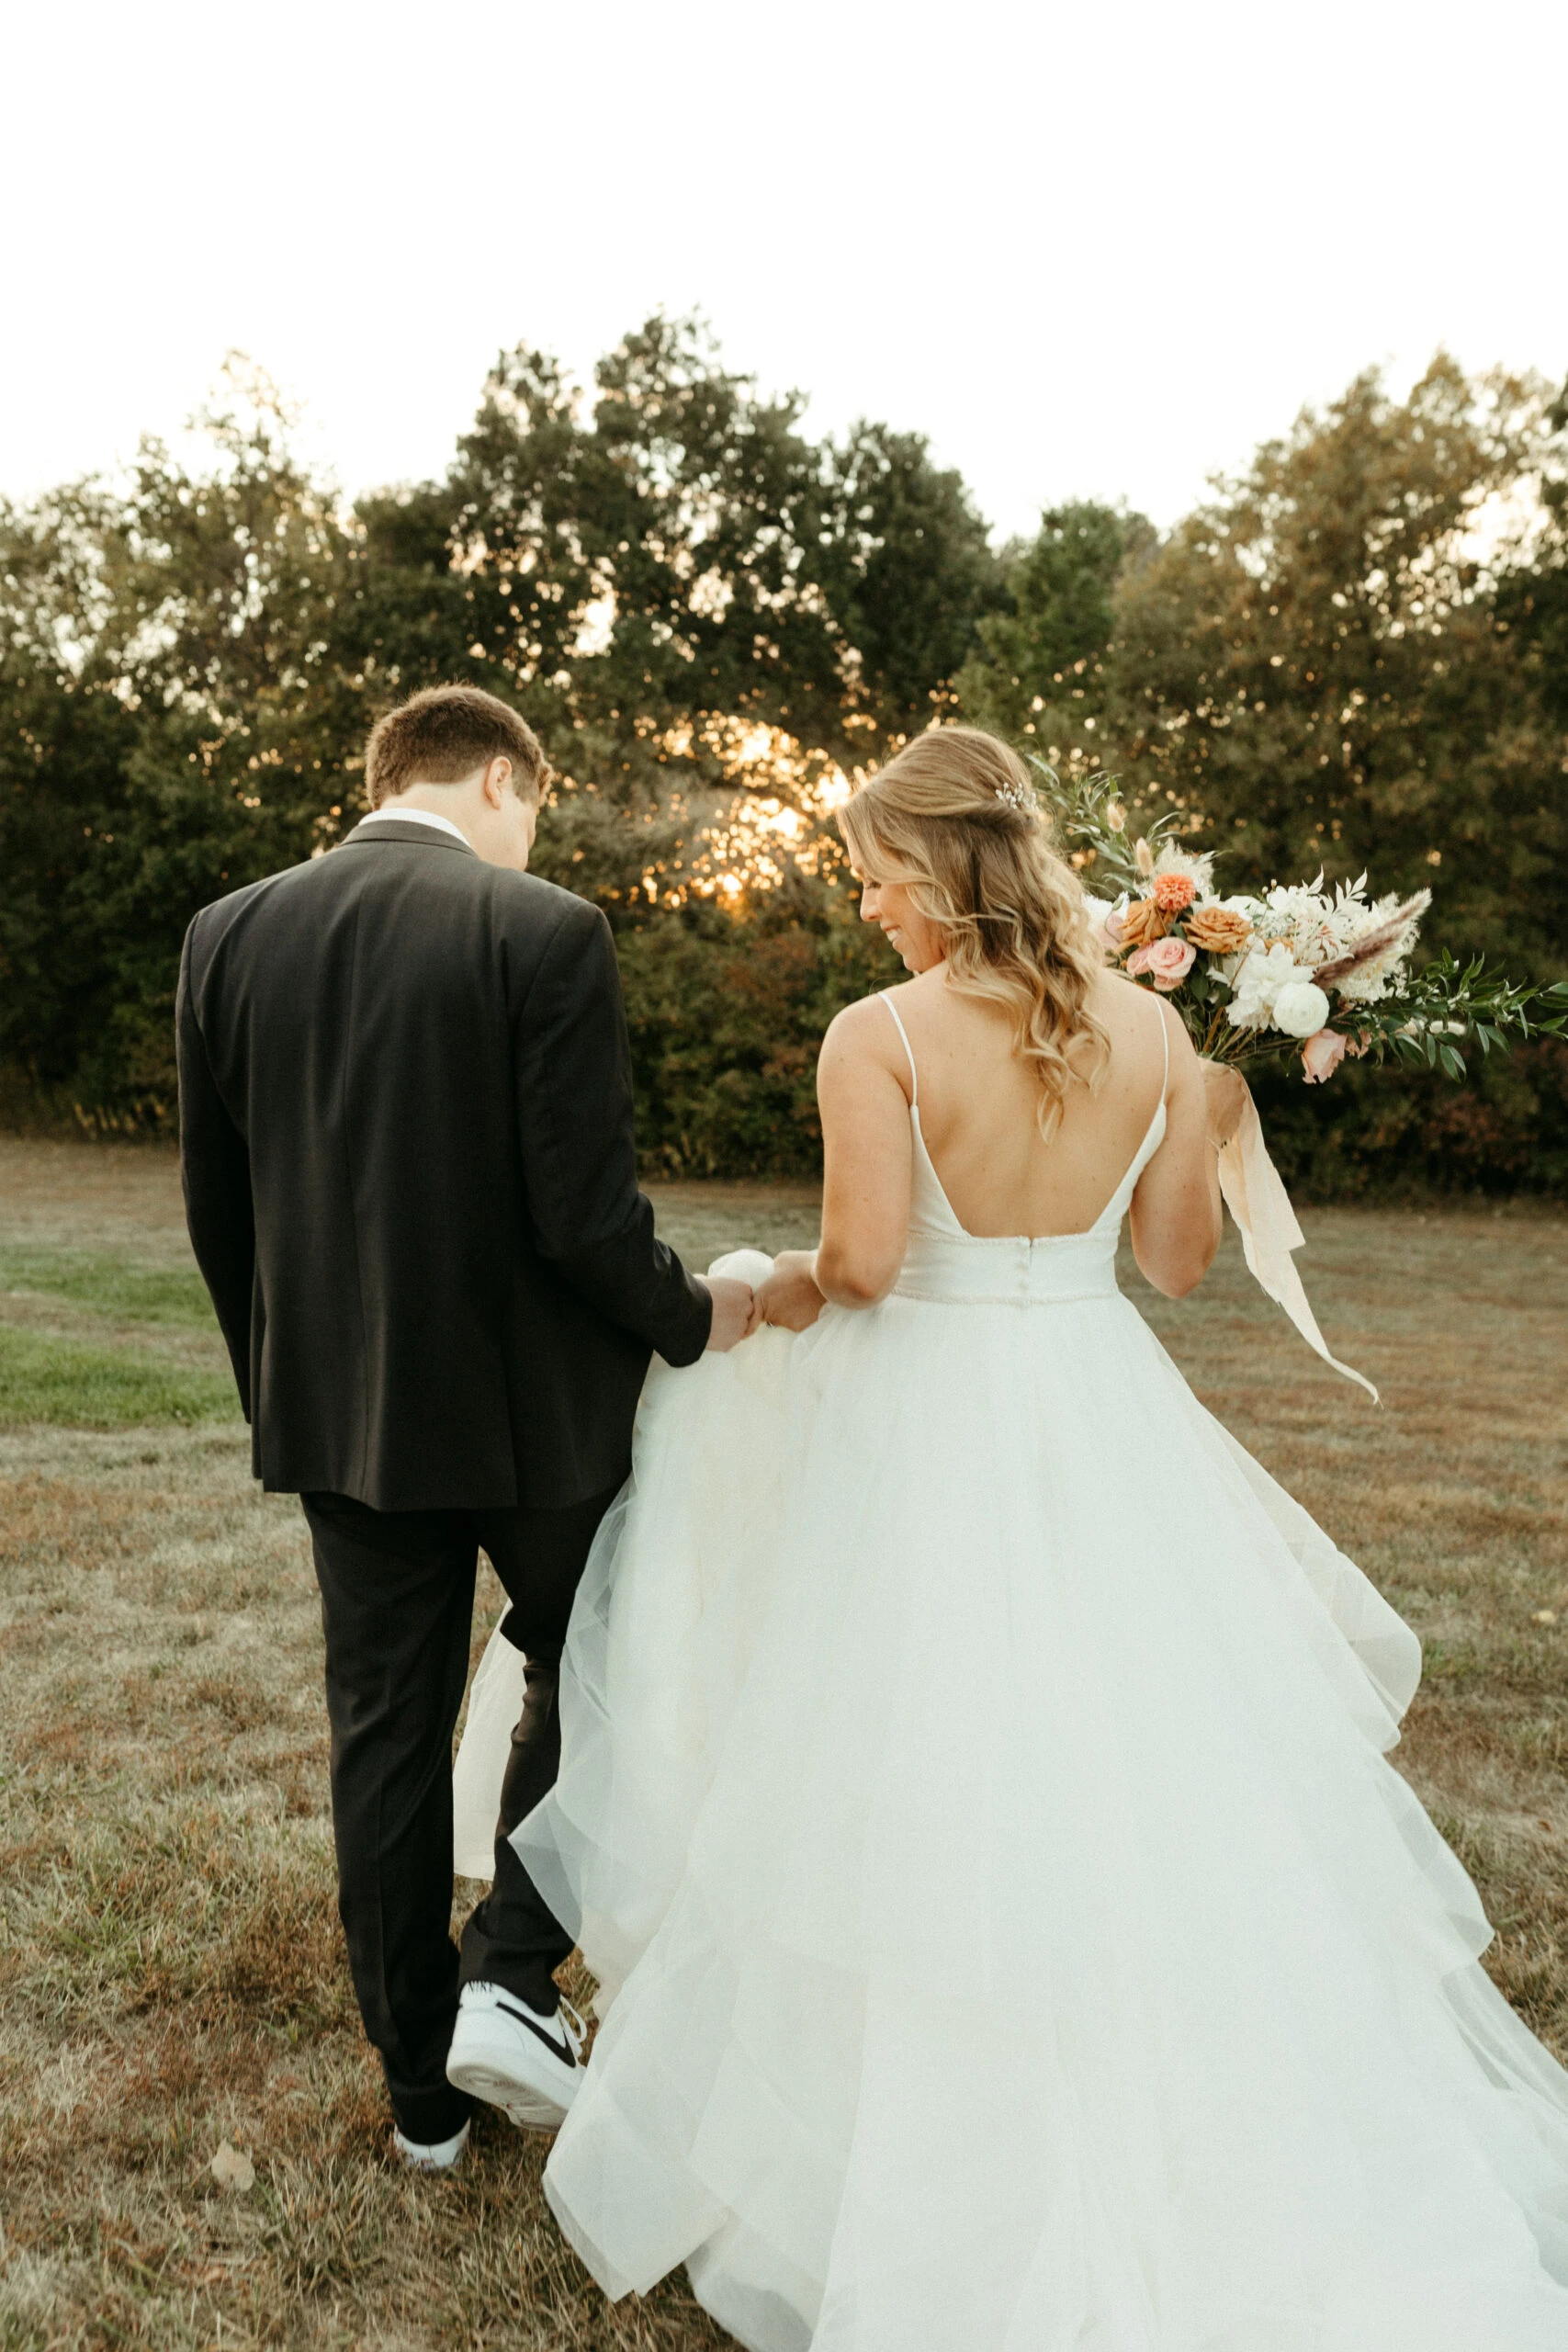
[{"x": 1258, "y": 1199}]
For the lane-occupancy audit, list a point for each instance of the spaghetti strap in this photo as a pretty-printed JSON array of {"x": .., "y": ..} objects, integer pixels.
[{"x": 914, "y": 1079}]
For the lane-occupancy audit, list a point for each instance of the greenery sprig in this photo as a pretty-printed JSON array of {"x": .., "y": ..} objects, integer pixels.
[{"x": 1448, "y": 999}]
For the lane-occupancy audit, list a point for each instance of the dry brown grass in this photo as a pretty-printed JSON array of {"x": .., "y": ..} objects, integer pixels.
[{"x": 171, "y": 1967}]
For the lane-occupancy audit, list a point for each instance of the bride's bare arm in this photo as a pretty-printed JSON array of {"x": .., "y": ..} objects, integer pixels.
[
  {"x": 1177, "y": 1216},
  {"x": 866, "y": 1162},
  {"x": 867, "y": 1175}
]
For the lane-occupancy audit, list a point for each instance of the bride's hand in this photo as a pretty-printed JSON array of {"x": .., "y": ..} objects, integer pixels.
[
  {"x": 790, "y": 1297},
  {"x": 1224, "y": 1093}
]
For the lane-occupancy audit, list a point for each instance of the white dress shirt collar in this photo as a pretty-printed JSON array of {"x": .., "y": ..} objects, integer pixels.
[{"x": 416, "y": 817}]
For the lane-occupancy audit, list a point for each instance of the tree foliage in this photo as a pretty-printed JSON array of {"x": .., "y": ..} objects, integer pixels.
[
  {"x": 1060, "y": 615},
  {"x": 1354, "y": 655},
  {"x": 1343, "y": 660},
  {"x": 661, "y": 575}
]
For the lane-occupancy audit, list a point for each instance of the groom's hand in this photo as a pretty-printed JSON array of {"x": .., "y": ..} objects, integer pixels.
[{"x": 734, "y": 1313}]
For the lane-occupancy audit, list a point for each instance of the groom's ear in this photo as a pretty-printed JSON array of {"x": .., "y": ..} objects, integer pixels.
[{"x": 502, "y": 772}]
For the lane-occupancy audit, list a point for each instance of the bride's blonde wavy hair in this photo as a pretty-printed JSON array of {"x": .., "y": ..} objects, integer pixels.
[{"x": 954, "y": 818}]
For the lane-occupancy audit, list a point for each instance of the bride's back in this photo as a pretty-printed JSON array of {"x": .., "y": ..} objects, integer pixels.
[
  {"x": 1012, "y": 1012},
  {"x": 979, "y": 1103}
]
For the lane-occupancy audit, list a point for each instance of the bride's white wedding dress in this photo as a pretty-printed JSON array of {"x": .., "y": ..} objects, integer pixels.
[{"x": 975, "y": 1801}]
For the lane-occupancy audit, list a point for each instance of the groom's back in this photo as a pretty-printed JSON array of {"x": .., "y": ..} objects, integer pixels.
[{"x": 370, "y": 1021}]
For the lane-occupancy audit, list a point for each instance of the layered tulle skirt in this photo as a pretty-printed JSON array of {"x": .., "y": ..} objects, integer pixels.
[{"x": 975, "y": 1809}]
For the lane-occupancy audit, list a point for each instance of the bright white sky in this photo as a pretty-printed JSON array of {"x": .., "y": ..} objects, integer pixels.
[{"x": 1092, "y": 249}]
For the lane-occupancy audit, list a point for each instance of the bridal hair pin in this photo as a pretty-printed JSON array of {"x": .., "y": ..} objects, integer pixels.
[{"x": 1017, "y": 795}]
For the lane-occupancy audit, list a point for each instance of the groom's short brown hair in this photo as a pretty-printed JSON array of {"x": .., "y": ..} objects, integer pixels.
[{"x": 443, "y": 735}]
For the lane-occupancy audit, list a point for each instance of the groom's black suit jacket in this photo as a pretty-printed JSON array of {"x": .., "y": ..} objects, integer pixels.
[{"x": 406, "y": 1142}]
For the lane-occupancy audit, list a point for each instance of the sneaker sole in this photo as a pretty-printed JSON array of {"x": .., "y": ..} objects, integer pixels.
[{"x": 529, "y": 2109}]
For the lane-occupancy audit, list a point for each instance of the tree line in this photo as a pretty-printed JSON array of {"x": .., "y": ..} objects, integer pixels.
[{"x": 1353, "y": 655}]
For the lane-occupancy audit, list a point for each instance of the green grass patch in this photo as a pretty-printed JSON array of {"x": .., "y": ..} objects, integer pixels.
[
  {"x": 111, "y": 1286},
  {"x": 57, "y": 1381}
]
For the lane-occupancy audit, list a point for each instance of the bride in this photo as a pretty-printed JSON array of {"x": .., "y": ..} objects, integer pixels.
[{"x": 974, "y": 1805}]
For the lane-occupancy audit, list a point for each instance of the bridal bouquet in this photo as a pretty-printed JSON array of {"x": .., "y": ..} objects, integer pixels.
[
  {"x": 1297, "y": 969},
  {"x": 1294, "y": 970}
]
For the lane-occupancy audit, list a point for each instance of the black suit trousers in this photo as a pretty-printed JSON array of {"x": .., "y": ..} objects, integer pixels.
[{"x": 397, "y": 1610}]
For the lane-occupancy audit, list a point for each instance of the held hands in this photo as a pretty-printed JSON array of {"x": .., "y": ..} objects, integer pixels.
[
  {"x": 790, "y": 1297},
  {"x": 734, "y": 1313}
]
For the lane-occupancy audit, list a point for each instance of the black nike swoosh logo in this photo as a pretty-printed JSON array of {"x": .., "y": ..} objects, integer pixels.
[{"x": 561, "y": 2049}]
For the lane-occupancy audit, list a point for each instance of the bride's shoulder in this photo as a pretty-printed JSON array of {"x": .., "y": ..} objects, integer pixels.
[
  {"x": 1110, "y": 992},
  {"x": 856, "y": 1023},
  {"x": 1113, "y": 998},
  {"x": 1131, "y": 1018},
  {"x": 863, "y": 1034}
]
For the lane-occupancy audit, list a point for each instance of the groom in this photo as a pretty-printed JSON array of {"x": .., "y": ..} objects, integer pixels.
[{"x": 407, "y": 1150}]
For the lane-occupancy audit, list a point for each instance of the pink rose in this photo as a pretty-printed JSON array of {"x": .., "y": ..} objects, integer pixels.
[
  {"x": 1322, "y": 1055},
  {"x": 1109, "y": 928},
  {"x": 1167, "y": 961}
]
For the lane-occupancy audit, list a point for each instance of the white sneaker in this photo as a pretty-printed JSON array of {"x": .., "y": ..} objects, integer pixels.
[
  {"x": 434, "y": 2156},
  {"x": 507, "y": 2053}
]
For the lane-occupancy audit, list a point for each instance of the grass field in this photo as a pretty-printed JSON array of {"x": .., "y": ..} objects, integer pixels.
[{"x": 171, "y": 1969}]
